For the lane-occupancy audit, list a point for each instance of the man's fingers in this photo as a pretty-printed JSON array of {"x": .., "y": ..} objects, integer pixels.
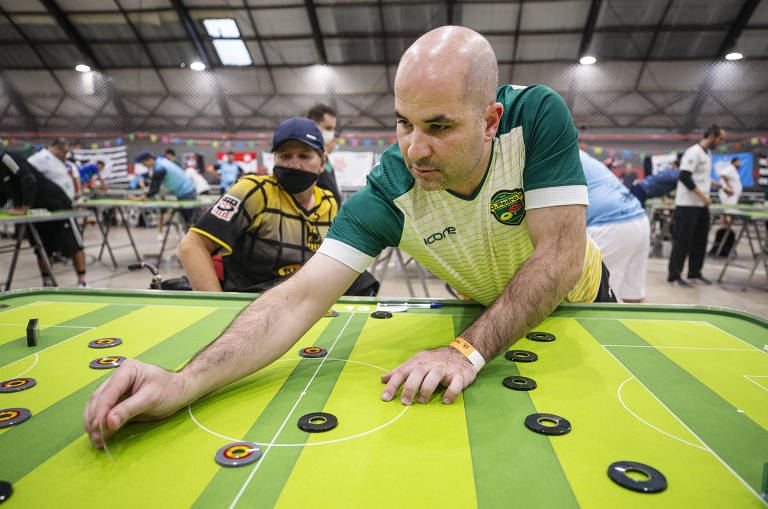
[
  {"x": 127, "y": 409},
  {"x": 430, "y": 383},
  {"x": 454, "y": 389},
  {"x": 395, "y": 381},
  {"x": 90, "y": 406},
  {"x": 411, "y": 386},
  {"x": 117, "y": 385}
]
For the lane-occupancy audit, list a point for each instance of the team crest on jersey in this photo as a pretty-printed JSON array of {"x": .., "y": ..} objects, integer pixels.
[
  {"x": 508, "y": 207},
  {"x": 226, "y": 207}
]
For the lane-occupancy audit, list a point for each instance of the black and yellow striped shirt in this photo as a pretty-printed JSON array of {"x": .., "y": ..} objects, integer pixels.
[{"x": 264, "y": 234}]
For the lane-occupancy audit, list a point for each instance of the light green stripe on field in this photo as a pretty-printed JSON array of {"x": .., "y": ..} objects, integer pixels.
[{"x": 738, "y": 442}]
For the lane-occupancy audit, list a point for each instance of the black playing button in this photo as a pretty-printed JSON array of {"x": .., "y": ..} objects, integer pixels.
[
  {"x": 381, "y": 314},
  {"x": 5, "y": 490},
  {"x": 318, "y": 421},
  {"x": 534, "y": 422},
  {"x": 519, "y": 383},
  {"x": 540, "y": 336},
  {"x": 653, "y": 482},
  {"x": 521, "y": 356}
]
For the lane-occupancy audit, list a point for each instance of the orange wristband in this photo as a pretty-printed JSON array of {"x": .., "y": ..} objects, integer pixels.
[{"x": 463, "y": 346}]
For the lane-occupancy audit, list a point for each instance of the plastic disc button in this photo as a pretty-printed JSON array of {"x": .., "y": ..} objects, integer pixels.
[
  {"x": 105, "y": 343},
  {"x": 535, "y": 422},
  {"x": 107, "y": 362},
  {"x": 317, "y": 422},
  {"x": 381, "y": 314},
  {"x": 521, "y": 356},
  {"x": 653, "y": 482},
  {"x": 313, "y": 352},
  {"x": 17, "y": 384},
  {"x": 540, "y": 336},
  {"x": 519, "y": 383},
  {"x": 13, "y": 416},
  {"x": 238, "y": 454}
]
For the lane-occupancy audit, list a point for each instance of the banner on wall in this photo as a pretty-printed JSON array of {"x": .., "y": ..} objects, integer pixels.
[
  {"x": 115, "y": 172},
  {"x": 248, "y": 161},
  {"x": 745, "y": 170},
  {"x": 351, "y": 168},
  {"x": 660, "y": 162}
]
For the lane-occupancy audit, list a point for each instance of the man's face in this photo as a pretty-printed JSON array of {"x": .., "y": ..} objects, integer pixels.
[
  {"x": 100, "y": 166},
  {"x": 298, "y": 156},
  {"x": 148, "y": 162},
  {"x": 718, "y": 139},
  {"x": 60, "y": 151},
  {"x": 230, "y": 158},
  {"x": 168, "y": 155},
  {"x": 328, "y": 123},
  {"x": 737, "y": 163},
  {"x": 440, "y": 135}
]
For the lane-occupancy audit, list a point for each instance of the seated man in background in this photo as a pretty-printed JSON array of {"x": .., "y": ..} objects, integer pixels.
[
  {"x": 89, "y": 172},
  {"x": 28, "y": 189},
  {"x": 267, "y": 226},
  {"x": 618, "y": 224}
]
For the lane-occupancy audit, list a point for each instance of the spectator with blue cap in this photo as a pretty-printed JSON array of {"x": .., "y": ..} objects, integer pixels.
[{"x": 267, "y": 226}]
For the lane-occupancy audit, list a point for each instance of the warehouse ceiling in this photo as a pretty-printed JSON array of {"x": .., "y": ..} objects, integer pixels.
[{"x": 660, "y": 63}]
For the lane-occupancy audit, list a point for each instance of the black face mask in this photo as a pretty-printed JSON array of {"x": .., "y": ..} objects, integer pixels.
[{"x": 294, "y": 181}]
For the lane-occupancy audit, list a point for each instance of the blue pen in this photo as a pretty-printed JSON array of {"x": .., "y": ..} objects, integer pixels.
[{"x": 429, "y": 305}]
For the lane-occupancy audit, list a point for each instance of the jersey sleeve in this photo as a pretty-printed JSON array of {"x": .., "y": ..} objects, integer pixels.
[
  {"x": 367, "y": 223},
  {"x": 552, "y": 174},
  {"x": 229, "y": 217}
]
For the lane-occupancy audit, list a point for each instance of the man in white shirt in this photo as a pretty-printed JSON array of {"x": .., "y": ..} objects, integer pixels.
[
  {"x": 729, "y": 176},
  {"x": 60, "y": 236},
  {"x": 692, "y": 209},
  {"x": 52, "y": 162}
]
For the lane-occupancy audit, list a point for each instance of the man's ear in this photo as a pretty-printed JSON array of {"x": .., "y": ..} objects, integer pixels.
[{"x": 492, "y": 119}]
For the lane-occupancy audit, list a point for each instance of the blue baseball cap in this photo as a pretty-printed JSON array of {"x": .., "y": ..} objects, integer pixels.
[
  {"x": 143, "y": 155},
  {"x": 299, "y": 129}
]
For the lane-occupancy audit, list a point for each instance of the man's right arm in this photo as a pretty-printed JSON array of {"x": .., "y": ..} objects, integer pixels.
[
  {"x": 263, "y": 332},
  {"x": 195, "y": 252}
]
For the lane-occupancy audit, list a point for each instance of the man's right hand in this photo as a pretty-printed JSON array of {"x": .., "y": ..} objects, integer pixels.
[
  {"x": 136, "y": 391},
  {"x": 18, "y": 212}
]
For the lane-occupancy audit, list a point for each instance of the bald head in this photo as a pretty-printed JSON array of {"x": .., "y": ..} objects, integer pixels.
[{"x": 453, "y": 55}]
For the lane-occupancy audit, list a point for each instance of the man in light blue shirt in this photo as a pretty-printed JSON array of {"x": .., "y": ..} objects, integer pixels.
[
  {"x": 618, "y": 224},
  {"x": 229, "y": 171},
  {"x": 170, "y": 175}
]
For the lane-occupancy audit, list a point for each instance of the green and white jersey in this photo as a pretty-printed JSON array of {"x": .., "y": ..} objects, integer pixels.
[{"x": 475, "y": 244}]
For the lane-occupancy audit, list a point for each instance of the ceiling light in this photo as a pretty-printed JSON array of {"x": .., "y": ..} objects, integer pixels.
[
  {"x": 197, "y": 66},
  {"x": 587, "y": 60},
  {"x": 232, "y": 52},
  {"x": 734, "y": 56},
  {"x": 82, "y": 68},
  {"x": 221, "y": 28}
]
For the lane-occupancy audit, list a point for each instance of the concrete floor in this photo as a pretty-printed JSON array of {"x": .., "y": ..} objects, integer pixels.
[{"x": 101, "y": 274}]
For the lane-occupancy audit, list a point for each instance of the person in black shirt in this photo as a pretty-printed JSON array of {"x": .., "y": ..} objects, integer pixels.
[{"x": 27, "y": 188}]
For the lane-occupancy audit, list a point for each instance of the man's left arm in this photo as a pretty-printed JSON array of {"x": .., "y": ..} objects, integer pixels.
[{"x": 558, "y": 235}]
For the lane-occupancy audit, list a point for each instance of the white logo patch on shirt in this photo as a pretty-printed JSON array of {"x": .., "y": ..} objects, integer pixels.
[{"x": 226, "y": 207}]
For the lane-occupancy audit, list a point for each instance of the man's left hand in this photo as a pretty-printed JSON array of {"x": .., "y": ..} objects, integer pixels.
[{"x": 423, "y": 372}]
